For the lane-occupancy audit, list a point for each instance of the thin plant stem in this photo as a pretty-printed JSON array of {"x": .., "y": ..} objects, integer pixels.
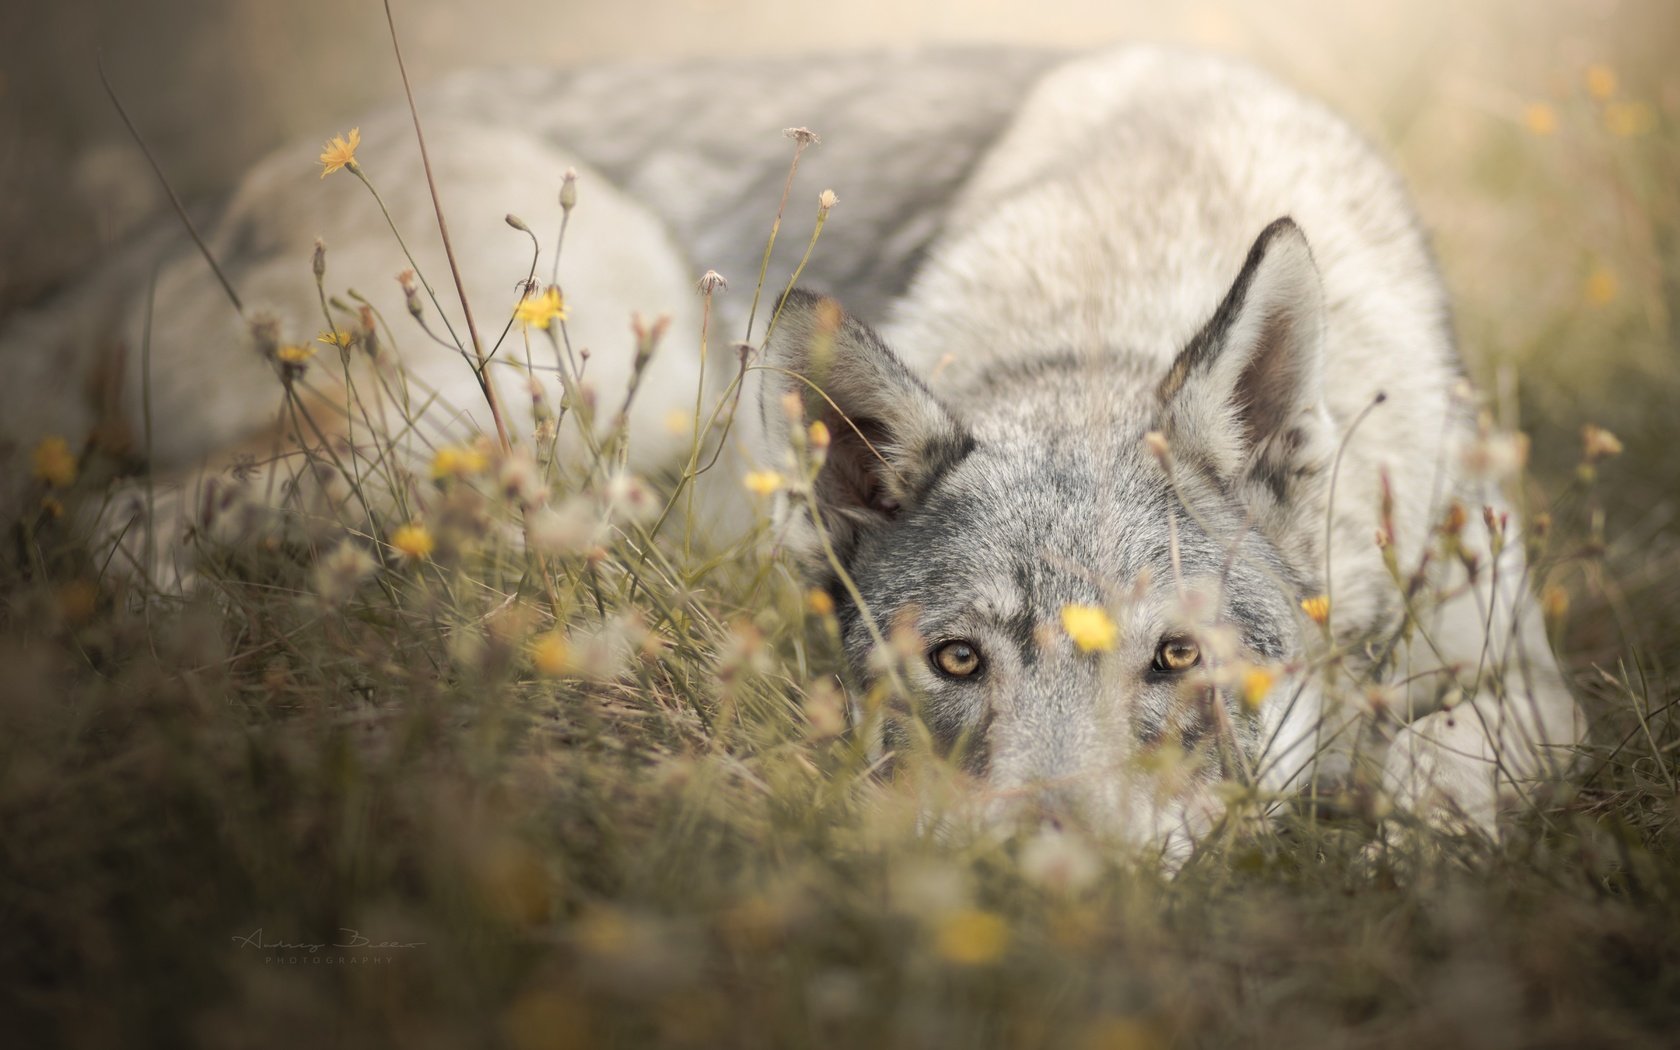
[
  {"x": 490, "y": 396},
  {"x": 174, "y": 201}
]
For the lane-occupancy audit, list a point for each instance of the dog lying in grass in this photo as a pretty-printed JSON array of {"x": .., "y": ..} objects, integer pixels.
[{"x": 1159, "y": 489}]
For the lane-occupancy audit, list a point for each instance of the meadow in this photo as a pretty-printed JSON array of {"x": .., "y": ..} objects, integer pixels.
[{"x": 500, "y": 758}]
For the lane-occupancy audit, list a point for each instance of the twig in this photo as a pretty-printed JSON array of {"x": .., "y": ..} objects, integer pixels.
[{"x": 175, "y": 202}]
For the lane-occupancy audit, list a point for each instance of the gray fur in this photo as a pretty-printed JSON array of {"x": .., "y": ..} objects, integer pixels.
[
  {"x": 1141, "y": 311},
  {"x": 1173, "y": 244}
]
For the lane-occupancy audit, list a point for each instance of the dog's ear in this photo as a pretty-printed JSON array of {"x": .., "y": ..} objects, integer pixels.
[
  {"x": 1244, "y": 401},
  {"x": 889, "y": 437}
]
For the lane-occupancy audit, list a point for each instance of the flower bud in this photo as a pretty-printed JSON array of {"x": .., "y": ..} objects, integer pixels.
[{"x": 568, "y": 190}]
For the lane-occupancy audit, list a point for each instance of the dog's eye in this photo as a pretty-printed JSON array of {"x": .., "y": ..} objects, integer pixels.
[
  {"x": 1177, "y": 654},
  {"x": 958, "y": 659}
]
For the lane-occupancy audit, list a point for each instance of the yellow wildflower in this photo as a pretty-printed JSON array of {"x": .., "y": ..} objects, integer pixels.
[
  {"x": 1317, "y": 608},
  {"x": 1627, "y": 119},
  {"x": 1601, "y": 287},
  {"x": 819, "y": 602},
  {"x": 1540, "y": 118},
  {"x": 971, "y": 937},
  {"x": 54, "y": 463},
  {"x": 678, "y": 423},
  {"x": 539, "y": 311},
  {"x": 819, "y": 435},
  {"x": 337, "y": 337},
  {"x": 293, "y": 354},
  {"x": 1257, "y": 682},
  {"x": 458, "y": 461},
  {"x": 340, "y": 152},
  {"x": 762, "y": 482},
  {"x": 414, "y": 540},
  {"x": 1090, "y": 627},
  {"x": 1600, "y": 80},
  {"x": 551, "y": 654},
  {"x": 1554, "y": 602}
]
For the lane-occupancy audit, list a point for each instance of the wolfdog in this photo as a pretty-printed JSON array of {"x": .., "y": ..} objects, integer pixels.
[{"x": 1163, "y": 450}]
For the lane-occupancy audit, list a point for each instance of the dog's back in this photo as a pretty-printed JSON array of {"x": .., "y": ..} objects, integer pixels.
[{"x": 683, "y": 167}]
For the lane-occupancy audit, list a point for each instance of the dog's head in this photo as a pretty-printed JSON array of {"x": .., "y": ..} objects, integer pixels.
[{"x": 1090, "y": 570}]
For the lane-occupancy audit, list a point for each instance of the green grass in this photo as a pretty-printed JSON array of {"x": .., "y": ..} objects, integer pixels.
[{"x": 663, "y": 839}]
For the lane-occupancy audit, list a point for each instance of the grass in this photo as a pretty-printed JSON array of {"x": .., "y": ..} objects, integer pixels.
[{"x": 591, "y": 789}]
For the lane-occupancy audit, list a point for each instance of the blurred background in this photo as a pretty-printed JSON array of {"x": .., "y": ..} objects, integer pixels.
[{"x": 1539, "y": 139}]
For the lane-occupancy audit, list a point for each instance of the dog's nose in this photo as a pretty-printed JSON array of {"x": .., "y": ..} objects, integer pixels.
[{"x": 1057, "y": 809}]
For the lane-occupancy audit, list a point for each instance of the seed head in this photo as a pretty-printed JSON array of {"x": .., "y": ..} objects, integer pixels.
[{"x": 1599, "y": 443}]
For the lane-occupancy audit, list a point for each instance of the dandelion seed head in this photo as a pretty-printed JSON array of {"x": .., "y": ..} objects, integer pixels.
[
  {"x": 338, "y": 573},
  {"x": 631, "y": 498},
  {"x": 1059, "y": 861},
  {"x": 521, "y": 480},
  {"x": 1495, "y": 455},
  {"x": 572, "y": 529}
]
